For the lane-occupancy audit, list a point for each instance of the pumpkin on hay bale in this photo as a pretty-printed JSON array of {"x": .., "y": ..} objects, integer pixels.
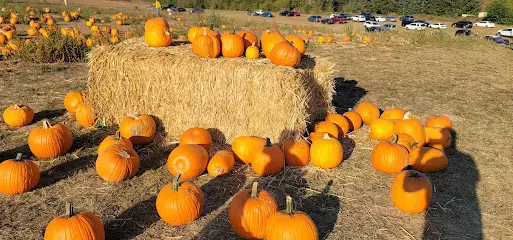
[{"x": 234, "y": 96}]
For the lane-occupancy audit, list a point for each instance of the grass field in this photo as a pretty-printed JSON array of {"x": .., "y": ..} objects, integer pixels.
[{"x": 468, "y": 80}]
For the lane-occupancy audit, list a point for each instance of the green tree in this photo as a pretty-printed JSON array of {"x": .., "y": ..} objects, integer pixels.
[{"x": 500, "y": 11}]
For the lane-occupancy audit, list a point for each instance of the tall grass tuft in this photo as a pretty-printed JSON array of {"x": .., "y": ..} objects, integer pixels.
[{"x": 54, "y": 48}]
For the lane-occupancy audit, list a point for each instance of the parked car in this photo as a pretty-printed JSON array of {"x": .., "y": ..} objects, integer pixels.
[
  {"x": 437, "y": 26},
  {"x": 267, "y": 15},
  {"x": 462, "y": 24},
  {"x": 251, "y": 13},
  {"x": 380, "y": 19},
  {"x": 180, "y": 10},
  {"x": 327, "y": 21},
  {"x": 335, "y": 19},
  {"x": 168, "y": 7},
  {"x": 368, "y": 24},
  {"x": 259, "y": 12},
  {"x": 388, "y": 27},
  {"x": 391, "y": 19},
  {"x": 463, "y": 32},
  {"x": 508, "y": 32},
  {"x": 416, "y": 26},
  {"x": 345, "y": 15},
  {"x": 314, "y": 18},
  {"x": 358, "y": 18},
  {"x": 373, "y": 29},
  {"x": 404, "y": 23},
  {"x": 497, "y": 39},
  {"x": 421, "y": 21},
  {"x": 407, "y": 18},
  {"x": 196, "y": 10},
  {"x": 287, "y": 13},
  {"x": 484, "y": 24},
  {"x": 296, "y": 14},
  {"x": 334, "y": 15}
]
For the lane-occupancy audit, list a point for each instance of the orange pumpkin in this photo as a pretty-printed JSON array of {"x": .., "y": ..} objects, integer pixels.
[
  {"x": 313, "y": 136},
  {"x": 67, "y": 18},
  {"x": 232, "y": 45},
  {"x": 207, "y": 46},
  {"x": 354, "y": 119},
  {"x": 297, "y": 152},
  {"x": 341, "y": 122},
  {"x": 3, "y": 39},
  {"x": 138, "y": 128},
  {"x": 49, "y": 141},
  {"x": 189, "y": 160},
  {"x": 411, "y": 191},
  {"x": 269, "y": 39},
  {"x": 439, "y": 138},
  {"x": 389, "y": 157},
  {"x": 249, "y": 38},
  {"x": 114, "y": 140},
  {"x": 244, "y": 147},
  {"x": 406, "y": 141},
  {"x": 346, "y": 39},
  {"x": 72, "y": 100},
  {"x": 18, "y": 176},
  {"x": 412, "y": 127},
  {"x": 180, "y": 203},
  {"x": 196, "y": 135},
  {"x": 368, "y": 111},
  {"x": 114, "y": 32},
  {"x": 290, "y": 224},
  {"x": 394, "y": 113},
  {"x": 252, "y": 52},
  {"x": 381, "y": 129},
  {"x": 18, "y": 115},
  {"x": 156, "y": 33},
  {"x": 75, "y": 225},
  {"x": 298, "y": 43},
  {"x": 439, "y": 121},
  {"x": 327, "y": 127},
  {"x": 221, "y": 163},
  {"x": 31, "y": 32},
  {"x": 249, "y": 211},
  {"x": 117, "y": 163},
  {"x": 194, "y": 32},
  {"x": 326, "y": 152},
  {"x": 267, "y": 159},
  {"x": 85, "y": 115},
  {"x": 283, "y": 54},
  {"x": 426, "y": 159}
]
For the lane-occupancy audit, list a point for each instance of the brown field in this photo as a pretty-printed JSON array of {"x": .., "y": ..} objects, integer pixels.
[{"x": 466, "y": 79}]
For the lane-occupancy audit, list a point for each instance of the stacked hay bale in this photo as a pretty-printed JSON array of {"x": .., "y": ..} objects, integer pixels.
[{"x": 232, "y": 97}]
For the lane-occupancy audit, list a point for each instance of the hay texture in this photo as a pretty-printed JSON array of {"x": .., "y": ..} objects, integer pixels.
[{"x": 230, "y": 97}]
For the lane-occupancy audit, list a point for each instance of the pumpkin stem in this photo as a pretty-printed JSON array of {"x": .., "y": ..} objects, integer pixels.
[
  {"x": 326, "y": 136},
  {"x": 46, "y": 124},
  {"x": 16, "y": 107},
  {"x": 350, "y": 109},
  {"x": 69, "y": 209},
  {"x": 124, "y": 154},
  {"x": 407, "y": 115},
  {"x": 18, "y": 156},
  {"x": 133, "y": 115},
  {"x": 205, "y": 31},
  {"x": 394, "y": 139},
  {"x": 268, "y": 142},
  {"x": 253, "y": 44},
  {"x": 289, "y": 207},
  {"x": 254, "y": 190},
  {"x": 211, "y": 26},
  {"x": 413, "y": 144},
  {"x": 176, "y": 182},
  {"x": 118, "y": 135}
]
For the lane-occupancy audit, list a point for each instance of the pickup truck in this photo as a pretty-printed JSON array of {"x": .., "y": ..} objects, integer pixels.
[{"x": 508, "y": 32}]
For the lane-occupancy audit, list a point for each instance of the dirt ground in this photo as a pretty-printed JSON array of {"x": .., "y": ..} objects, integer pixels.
[{"x": 472, "y": 198}]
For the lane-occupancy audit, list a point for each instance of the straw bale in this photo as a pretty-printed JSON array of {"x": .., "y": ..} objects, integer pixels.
[{"x": 230, "y": 97}]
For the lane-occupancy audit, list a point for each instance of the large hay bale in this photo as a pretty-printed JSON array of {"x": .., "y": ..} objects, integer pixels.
[{"x": 232, "y": 97}]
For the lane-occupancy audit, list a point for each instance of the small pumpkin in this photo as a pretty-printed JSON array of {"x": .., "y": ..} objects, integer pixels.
[
  {"x": 326, "y": 152},
  {"x": 394, "y": 113},
  {"x": 426, "y": 159},
  {"x": 346, "y": 39},
  {"x": 329, "y": 39},
  {"x": 189, "y": 160},
  {"x": 120, "y": 22},
  {"x": 283, "y": 54},
  {"x": 368, "y": 111},
  {"x": 32, "y": 31},
  {"x": 138, "y": 128},
  {"x": 439, "y": 121},
  {"x": 354, "y": 119},
  {"x": 290, "y": 224},
  {"x": 327, "y": 127},
  {"x": 411, "y": 191},
  {"x": 320, "y": 39},
  {"x": 341, "y": 122},
  {"x": 180, "y": 203},
  {"x": 390, "y": 157},
  {"x": 67, "y": 18},
  {"x": 232, "y": 46},
  {"x": 249, "y": 211},
  {"x": 269, "y": 39},
  {"x": 252, "y": 52},
  {"x": 114, "y": 140},
  {"x": 244, "y": 147},
  {"x": 297, "y": 152},
  {"x": 18, "y": 176},
  {"x": 406, "y": 141},
  {"x": 18, "y": 115},
  {"x": 267, "y": 159},
  {"x": 156, "y": 33},
  {"x": 3, "y": 39},
  {"x": 381, "y": 129},
  {"x": 117, "y": 163},
  {"x": 439, "y": 138},
  {"x": 72, "y": 100},
  {"x": 49, "y": 141},
  {"x": 298, "y": 43},
  {"x": 85, "y": 115},
  {"x": 221, "y": 163},
  {"x": 206, "y": 45},
  {"x": 412, "y": 127},
  {"x": 249, "y": 38},
  {"x": 75, "y": 225},
  {"x": 114, "y": 32},
  {"x": 196, "y": 135}
]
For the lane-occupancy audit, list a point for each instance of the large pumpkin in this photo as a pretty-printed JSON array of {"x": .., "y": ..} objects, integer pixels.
[
  {"x": 156, "y": 33},
  {"x": 221, "y": 163},
  {"x": 411, "y": 191},
  {"x": 196, "y": 135},
  {"x": 232, "y": 46},
  {"x": 206, "y": 45},
  {"x": 117, "y": 163},
  {"x": 290, "y": 224},
  {"x": 180, "y": 203},
  {"x": 193, "y": 33},
  {"x": 267, "y": 159},
  {"x": 269, "y": 39},
  {"x": 114, "y": 140},
  {"x": 75, "y": 225},
  {"x": 72, "y": 100},
  {"x": 244, "y": 147},
  {"x": 85, "y": 115},
  {"x": 249, "y": 211},
  {"x": 354, "y": 119},
  {"x": 426, "y": 159},
  {"x": 283, "y": 54},
  {"x": 381, "y": 129},
  {"x": 189, "y": 160},
  {"x": 368, "y": 111},
  {"x": 327, "y": 127},
  {"x": 297, "y": 152},
  {"x": 249, "y": 38},
  {"x": 439, "y": 138},
  {"x": 342, "y": 123},
  {"x": 138, "y": 128},
  {"x": 394, "y": 113},
  {"x": 390, "y": 157},
  {"x": 49, "y": 141},
  {"x": 326, "y": 152},
  {"x": 18, "y": 176},
  {"x": 412, "y": 127},
  {"x": 439, "y": 121},
  {"x": 298, "y": 43},
  {"x": 18, "y": 115}
]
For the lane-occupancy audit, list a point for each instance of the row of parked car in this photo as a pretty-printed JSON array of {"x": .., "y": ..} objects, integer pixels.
[{"x": 260, "y": 13}]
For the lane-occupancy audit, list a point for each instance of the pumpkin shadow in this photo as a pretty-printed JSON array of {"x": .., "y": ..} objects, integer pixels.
[
  {"x": 323, "y": 208},
  {"x": 65, "y": 170},
  {"x": 348, "y": 145},
  {"x": 48, "y": 114},
  {"x": 133, "y": 221},
  {"x": 11, "y": 153},
  {"x": 347, "y": 94},
  {"x": 454, "y": 209}
]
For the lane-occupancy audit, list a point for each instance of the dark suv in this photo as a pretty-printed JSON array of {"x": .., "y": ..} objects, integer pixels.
[
  {"x": 462, "y": 24},
  {"x": 462, "y": 32},
  {"x": 407, "y": 18},
  {"x": 287, "y": 13}
]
